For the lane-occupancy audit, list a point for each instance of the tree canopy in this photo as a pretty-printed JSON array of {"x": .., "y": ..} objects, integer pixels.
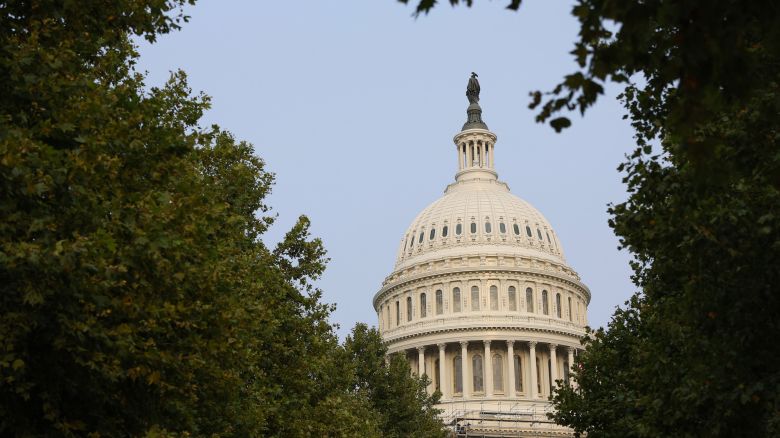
[
  {"x": 136, "y": 296},
  {"x": 404, "y": 406},
  {"x": 691, "y": 353}
]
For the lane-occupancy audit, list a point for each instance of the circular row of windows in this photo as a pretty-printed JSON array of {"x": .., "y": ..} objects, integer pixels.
[
  {"x": 458, "y": 303},
  {"x": 502, "y": 229}
]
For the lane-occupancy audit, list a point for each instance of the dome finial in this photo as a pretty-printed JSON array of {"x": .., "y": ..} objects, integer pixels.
[
  {"x": 472, "y": 89},
  {"x": 474, "y": 111}
]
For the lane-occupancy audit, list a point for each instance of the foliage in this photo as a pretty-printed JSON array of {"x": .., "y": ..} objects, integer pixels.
[
  {"x": 692, "y": 353},
  {"x": 136, "y": 297},
  {"x": 404, "y": 407},
  {"x": 690, "y": 357}
]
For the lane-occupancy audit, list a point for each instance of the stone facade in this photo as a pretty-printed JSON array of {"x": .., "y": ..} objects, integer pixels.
[{"x": 482, "y": 301}]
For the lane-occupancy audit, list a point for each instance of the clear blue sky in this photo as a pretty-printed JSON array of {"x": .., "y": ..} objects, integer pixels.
[{"x": 353, "y": 104}]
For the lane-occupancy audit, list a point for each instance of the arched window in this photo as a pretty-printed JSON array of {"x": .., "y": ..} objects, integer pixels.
[
  {"x": 502, "y": 228},
  {"x": 389, "y": 318},
  {"x": 570, "y": 309},
  {"x": 473, "y": 228},
  {"x": 458, "y": 229},
  {"x": 517, "y": 229},
  {"x": 422, "y": 233},
  {"x": 558, "y": 305},
  {"x": 548, "y": 238},
  {"x": 457, "y": 374},
  {"x": 493, "y": 298},
  {"x": 436, "y": 376},
  {"x": 439, "y": 302},
  {"x": 423, "y": 306},
  {"x": 518, "y": 374},
  {"x": 488, "y": 227},
  {"x": 411, "y": 242},
  {"x": 529, "y": 300},
  {"x": 478, "y": 380},
  {"x": 549, "y": 374},
  {"x": 528, "y": 231},
  {"x": 498, "y": 373},
  {"x": 408, "y": 308},
  {"x": 456, "y": 300},
  {"x": 545, "y": 303},
  {"x": 566, "y": 372},
  {"x": 474, "y": 298},
  {"x": 444, "y": 231},
  {"x": 538, "y": 376},
  {"x": 433, "y": 234},
  {"x": 539, "y": 233},
  {"x": 512, "y": 298},
  {"x": 397, "y": 313},
  {"x": 406, "y": 244}
]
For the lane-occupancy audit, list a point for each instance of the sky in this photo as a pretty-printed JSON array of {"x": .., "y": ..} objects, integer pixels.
[{"x": 353, "y": 105}]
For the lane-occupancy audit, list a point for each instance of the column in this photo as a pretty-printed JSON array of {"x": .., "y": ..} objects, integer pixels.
[
  {"x": 553, "y": 365},
  {"x": 488, "y": 370},
  {"x": 532, "y": 349},
  {"x": 510, "y": 353},
  {"x": 492, "y": 163},
  {"x": 571, "y": 365},
  {"x": 442, "y": 371},
  {"x": 464, "y": 360},
  {"x": 420, "y": 361},
  {"x": 469, "y": 155}
]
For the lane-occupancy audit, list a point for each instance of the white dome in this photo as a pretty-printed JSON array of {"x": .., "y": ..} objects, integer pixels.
[
  {"x": 481, "y": 298},
  {"x": 480, "y": 216}
]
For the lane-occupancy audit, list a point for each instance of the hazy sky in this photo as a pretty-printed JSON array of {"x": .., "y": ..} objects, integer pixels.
[{"x": 354, "y": 103}]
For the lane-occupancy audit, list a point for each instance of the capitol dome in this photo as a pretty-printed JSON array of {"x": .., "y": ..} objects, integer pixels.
[
  {"x": 478, "y": 215},
  {"x": 482, "y": 300}
]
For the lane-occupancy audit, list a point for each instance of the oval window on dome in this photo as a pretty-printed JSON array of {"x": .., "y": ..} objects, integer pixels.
[
  {"x": 444, "y": 231},
  {"x": 422, "y": 233},
  {"x": 517, "y": 229},
  {"x": 528, "y": 231},
  {"x": 458, "y": 229},
  {"x": 488, "y": 227},
  {"x": 539, "y": 233},
  {"x": 473, "y": 228},
  {"x": 433, "y": 234},
  {"x": 502, "y": 228}
]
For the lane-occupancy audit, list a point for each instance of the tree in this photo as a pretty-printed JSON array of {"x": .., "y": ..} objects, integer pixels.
[
  {"x": 400, "y": 400},
  {"x": 136, "y": 297},
  {"x": 689, "y": 354}
]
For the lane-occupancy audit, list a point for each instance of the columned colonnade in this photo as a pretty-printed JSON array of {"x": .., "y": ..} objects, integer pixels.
[
  {"x": 475, "y": 154},
  {"x": 491, "y": 368}
]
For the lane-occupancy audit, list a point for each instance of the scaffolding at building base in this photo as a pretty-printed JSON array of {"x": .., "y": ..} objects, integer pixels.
[{"x": 515, "y": 421}]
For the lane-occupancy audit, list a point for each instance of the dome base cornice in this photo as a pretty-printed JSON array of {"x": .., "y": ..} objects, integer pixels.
[{"x": 478, "y": 329}]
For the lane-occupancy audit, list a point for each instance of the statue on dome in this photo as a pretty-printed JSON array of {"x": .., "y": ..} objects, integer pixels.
[{"x": 472, "y": 89}]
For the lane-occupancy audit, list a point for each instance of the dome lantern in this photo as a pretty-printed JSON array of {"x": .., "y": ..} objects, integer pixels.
[{"x": 475, "y": 143}]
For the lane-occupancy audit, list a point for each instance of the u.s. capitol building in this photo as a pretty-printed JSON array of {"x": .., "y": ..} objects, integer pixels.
[{"x": 481, "y": 298}]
